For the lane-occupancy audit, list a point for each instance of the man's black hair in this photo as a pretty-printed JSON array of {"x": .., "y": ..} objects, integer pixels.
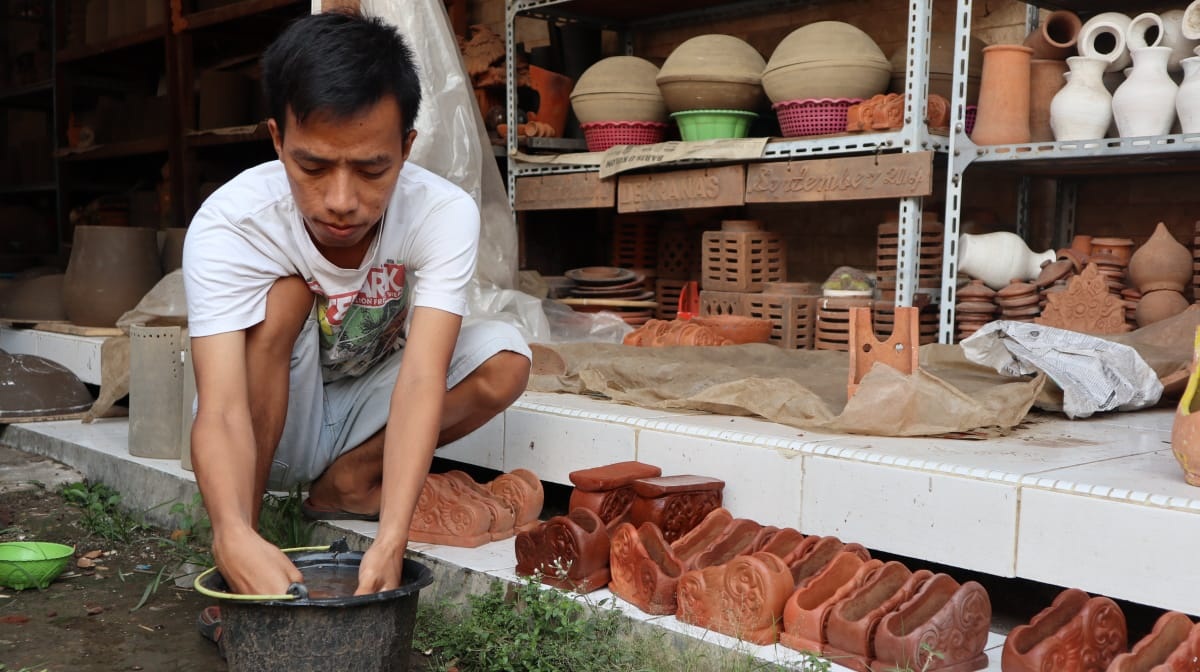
[{"x": 341, "y": 63}]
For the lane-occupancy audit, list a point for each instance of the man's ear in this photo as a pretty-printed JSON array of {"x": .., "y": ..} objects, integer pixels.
[
  {"x": 408, "y": 142},
  {"x": 276, "y": 136}
]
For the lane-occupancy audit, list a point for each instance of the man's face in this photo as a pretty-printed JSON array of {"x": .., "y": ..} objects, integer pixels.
[{"x": 342, "y": 171}]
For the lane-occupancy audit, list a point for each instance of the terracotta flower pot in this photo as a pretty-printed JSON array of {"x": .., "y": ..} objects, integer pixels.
[
  {"x": 1003, "y": 117},
  {"x": 110, "y": 270},
  {"x": 1055, "y": 38},
  {"x": 1075, "y": 627}
]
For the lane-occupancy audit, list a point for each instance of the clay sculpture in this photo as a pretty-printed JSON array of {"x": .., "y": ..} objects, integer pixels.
[
  {"x": 675, "y": 504},
  {"x": 807, "y": 609},
  {"x": 645, "y": 571},
  {"x": 454, "y": 510},
  {"x": 658, "y": 333},
  {"x": 743, "y": 598},
  {"x": 1076, "y": 632},
  {"x": 608, "y": 490},
  {"x": 818, "y": 552},
  {"x": 1184, "y": 657},
  {"x": 1085, "y": 306},
  {"x": 852, "y": 622},
  {"x": 522, "y": 491},
  {"x": 570, "y": 552},
  {"x": 1170, "y": 633},
  {"x": 944, "y": 626}
]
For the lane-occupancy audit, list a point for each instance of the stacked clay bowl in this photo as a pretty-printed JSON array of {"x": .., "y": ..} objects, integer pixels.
[
  {"x": 976, "y": 307},
  {"x": 1019, "y": 301},
  {"x": 826, "y": 59},
  {"x": 617, "y": 101},
  {"x": 712, "y": 72},
  {"x": 941, "y": 67}
]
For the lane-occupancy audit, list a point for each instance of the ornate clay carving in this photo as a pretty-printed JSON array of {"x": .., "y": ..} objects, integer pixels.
[
  {"x": 608, "y": 490},
  {"x": 444, "y": 517},
  {"x": 805, "y": 613},
  {"x": 1074, "y": 633},
  {"x": 943, "y": 627},
  {"x": 1184, "y": 657},
  {"x": 645, "y": 571},
  {"x": 675, "y": 503},
  {"x": 461, "y": 485},
  {"x": 818, "y": 552},
  {"x": 742, "y": 598},
  {"x": 1170, "y": 632},
  {"x": 852, "y": 623},
  {"x": 569, "y": 552},
  {"x": 522, "y": 491},
  {"x": 1085, "y": 306}
]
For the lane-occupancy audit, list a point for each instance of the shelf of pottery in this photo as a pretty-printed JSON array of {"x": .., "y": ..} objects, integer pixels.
[
  {"x": 1087, "y": 92},
  {"x": 827, "y": 83}
]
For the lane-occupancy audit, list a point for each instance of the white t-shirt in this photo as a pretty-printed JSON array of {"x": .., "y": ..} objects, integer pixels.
[{"x": 249, "y": 233}]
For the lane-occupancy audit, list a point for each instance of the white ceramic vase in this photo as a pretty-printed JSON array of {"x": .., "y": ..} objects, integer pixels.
[
  {"x": 998, "y": 258},
  {"x": 1103, "y": 36},
  {"x": 1190, "y": 26},
  {"x": 1173, "y": 37},
  {"x": 1082, "y": 110},
  {"x": 1144, "y": 104},
  {"x": 1187, "y": 101}
]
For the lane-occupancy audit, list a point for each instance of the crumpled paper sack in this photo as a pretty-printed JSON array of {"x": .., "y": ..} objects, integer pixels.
[{"x": 163, "y": 306}]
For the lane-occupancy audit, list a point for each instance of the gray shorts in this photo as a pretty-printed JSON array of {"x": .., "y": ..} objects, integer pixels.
[{"x": 325, "y": 420}]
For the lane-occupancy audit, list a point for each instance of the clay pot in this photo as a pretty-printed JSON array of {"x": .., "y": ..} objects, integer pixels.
[
  {"x": 1170, "y": 631},
  {"x": 1056, "y": 36},
  {"x": 1074, "y": 627},
  {"x": 712, "y": 72},
  {"x": 569, "y": 552},
  {"x": 35, "y": 387},
  {"x": 807, "y": 609},
  {"x": 554, "y": 92},
  {"x": 826, "y": 59},
  {"x": 619, "y": 88},
  {"x": 1103, "y": 37},
  {"x": 941, "y": 67},
  {"x": 943, "y": 626},
  {"x": 738, "y": 329},
  {"x": 1187, "y": 100},
  {"x": 1121, "y": 248},
  {"x": 675, "y": 504},
  {"x": 608, "y": 490},
  {"x": 1144, "y": 104},
  {"x": 110, "y": 270},
  {"x": 35, "y": 299},
  {"x": 1003, "y": 117},
  {"x": 1045, "y": 81},
  {"x": 743, "y": 598},
  {"x": 997, "y": 258},
  {"x": 1082, "y": 109},
  {"x": 645, "y": 570},
  {"x": 172, "y": 249},
  {"x": 1161, "y": 263}
]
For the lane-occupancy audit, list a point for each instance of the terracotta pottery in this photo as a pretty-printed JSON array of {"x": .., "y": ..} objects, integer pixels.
[
  {"x": 554, "y": 99},
  {"x": 1185, "y": 431},
  {"x": 1045, "y": 81},
  {"x": 645, "y": 571},
  {"x": 736, "y": 328},
  {"x": 1144, "y": 104},
  {"x": 1074, "y": 632},
  {"x": 675, "y": 503},
  {"x": 38, "y": 388},
  {"x": 1103, "y": 37},
  {"x": 941, "y": 66},
  {"x": 444, "y": 516},
  {"x": 1161, "y": 263},
  {"x": 1003, "y": 117},
  {"x": 663, "y": 333},
  {"x": 1086, "y": 306},
  {"x": 570, "y": 552},
  {"x": 1082, "y": 109},
  {"x": 742, "y": 598},
  {"x": 111, "y": 268},
  {"x": 1184, "y": 657},
  {"x": 459, "y": 484},
  {"x": 819, "y": 552},
  {"x": 1170, "y": 631},
  {"x": 710, "y": 530},
  {"x": 785, "y": 543},
  {"x": 608, "y": 490},
  {"x": 741, "y": 537},
  {"x": 1056, "y": 35},
  {"x": 1081, "y": 244},
  {"x": 712, "y": 72},
  {"x": 944, "y": 626},
  {"x": 521, "y": 490},
  {"x": 826, "y": 59},
  {"x": 37, "y": 298},
  {"x": 619, "y": 88},
  {"x": 1121, "y": 248},
  {"x": 807, "y": 609},
  {"x": 171, "y": 255},
  {"x": 850, "y": 630}
]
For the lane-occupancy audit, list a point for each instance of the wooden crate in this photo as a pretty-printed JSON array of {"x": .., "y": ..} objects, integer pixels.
[
  {"x": 792, "y": 314},
  {"x": 742, "y": 261}
]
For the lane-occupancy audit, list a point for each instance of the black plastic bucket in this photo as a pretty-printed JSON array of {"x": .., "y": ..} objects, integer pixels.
[{"x": 286, "y": 633}]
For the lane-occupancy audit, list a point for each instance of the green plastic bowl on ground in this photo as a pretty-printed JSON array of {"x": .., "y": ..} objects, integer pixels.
[
  {"x": 713, "y": 124},
  {"x": 30, "y": 564}
]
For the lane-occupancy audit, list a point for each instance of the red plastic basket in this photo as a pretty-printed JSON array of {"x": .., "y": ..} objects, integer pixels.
[
  {"x": 601, "y": 135},
  {"x": 813, "y": 116},
  {"x": 969, "y": 122}
]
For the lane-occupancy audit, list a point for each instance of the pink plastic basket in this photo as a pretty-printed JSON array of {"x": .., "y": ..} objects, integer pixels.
[
  {"x": 813, "y": 116},
  {"x": 601, "y": 135},
  {"x": 970, "y": 118}
]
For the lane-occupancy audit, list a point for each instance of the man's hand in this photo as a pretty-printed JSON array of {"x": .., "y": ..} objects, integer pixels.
[
  {"x": 381, "y": 567},
  {"x": 253, "y": 566}
]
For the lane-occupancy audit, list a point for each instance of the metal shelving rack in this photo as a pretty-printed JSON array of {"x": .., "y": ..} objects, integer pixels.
[
  {"x": 1059, "y": 160},
  {"x": 626, "y": 16}
]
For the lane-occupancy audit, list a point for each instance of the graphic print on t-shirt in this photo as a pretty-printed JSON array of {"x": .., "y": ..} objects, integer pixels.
[{"x": 359, "y": 328}]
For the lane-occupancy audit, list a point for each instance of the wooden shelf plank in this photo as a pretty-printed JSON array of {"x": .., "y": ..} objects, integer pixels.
[
  {"x": 143, "y": 36},
  {"x": 238, "y": 10},
  {"x": 116, "y": 150},
  {"x": 34, "y": 188},
  {"x": 28, "y": 90},
  {"x": 228, "y": 136}
]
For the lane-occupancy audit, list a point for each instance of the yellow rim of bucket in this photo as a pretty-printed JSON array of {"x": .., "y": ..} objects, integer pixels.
[{"x": 248, "y": 598}]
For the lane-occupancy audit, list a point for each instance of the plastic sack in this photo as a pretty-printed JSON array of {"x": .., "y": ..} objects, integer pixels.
[{"x": 164, "y": 305}]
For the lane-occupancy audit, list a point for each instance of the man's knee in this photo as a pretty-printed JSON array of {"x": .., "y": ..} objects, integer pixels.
[
  {"x": 289, "y": 303},
  {"x": 502, "y": 379}
]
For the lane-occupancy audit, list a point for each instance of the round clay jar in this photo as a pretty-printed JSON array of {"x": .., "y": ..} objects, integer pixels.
[
  {"x": 712, "y": 72},
  {"x": 619, "y": 88},
  {"x": 826, "y": 59}
]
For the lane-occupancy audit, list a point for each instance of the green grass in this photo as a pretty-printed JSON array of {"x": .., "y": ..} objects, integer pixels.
[
  {"x": 103, "y": 514},
  {"x": 282, "y": 522}
]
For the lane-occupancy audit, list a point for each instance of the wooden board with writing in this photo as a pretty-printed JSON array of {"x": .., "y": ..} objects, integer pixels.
[
  {"x": 565, "y": 191},
  {"x": 841, "y": 179},
  {"x": 697, "y": 188}
]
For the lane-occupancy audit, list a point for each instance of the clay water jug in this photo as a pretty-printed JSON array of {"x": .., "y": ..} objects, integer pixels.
[
  {"x": 1172, "y": 36},
  {"x": 1045, "y": 81},
  {"x": 998, "y": 258},
  {"x": 1082, "y": 110},
  {"x": 1003, "y": 117},
  {"x": 111, "y": 268},
  {"x": 1144, "y": 104},
  {"x": 1103, "y": 37},
  {"x": 1187, "y": 100}
]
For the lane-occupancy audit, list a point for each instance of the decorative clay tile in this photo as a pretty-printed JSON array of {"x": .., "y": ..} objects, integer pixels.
[
  {"x": 1074, "y": 633},
  {"x": 675, "y": 503},
  {"x": 569, "y": 552},
  {"x": 742, "y": 598},
  {"x": 942, "y": 628},
  {"x": 806, "y": 610},
  {"x": 1170, "y": 632}
]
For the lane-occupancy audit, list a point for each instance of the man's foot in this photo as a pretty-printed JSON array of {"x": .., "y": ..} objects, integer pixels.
[
  {"x": 313, "y": 512},
  {"x": 209, "y": 625}
]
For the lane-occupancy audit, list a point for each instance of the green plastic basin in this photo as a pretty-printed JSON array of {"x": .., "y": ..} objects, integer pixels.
[
  {"x": 30, "y": 564},
  {"x": 713, "y": 124}
]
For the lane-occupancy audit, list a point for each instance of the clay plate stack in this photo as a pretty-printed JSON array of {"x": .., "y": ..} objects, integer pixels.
[
  {"x": 618, "y": 290},
  {"x": 1112, "y": 269},
  {"x": 887, "y": 252},
  {"x": 976, "y": 307},
  {"x": 833, "y": 321},
  {"x": 1019, "y": 301}
]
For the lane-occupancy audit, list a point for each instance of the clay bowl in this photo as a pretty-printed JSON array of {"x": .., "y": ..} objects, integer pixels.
[
  {"x": 619, "y": 88},
  {"x": 737, "y": 328},
  {"x": 826, "y": 59},
  {"x": 712, "y": 72}
]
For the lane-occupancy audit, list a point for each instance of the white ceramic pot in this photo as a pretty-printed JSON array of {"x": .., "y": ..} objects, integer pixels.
[
  {"x": 1173, "y": 37},
  {"x": 1144, "y": 30},
  {"x": 1103, "y": 36},
  {"x": 1082, "y": 110},
  {"x": 1187, "y": 101},
  {"x": 999, "y": 258},
  {"x": 1145, "y": 103},
  {"x": 1190, "y": 26}
]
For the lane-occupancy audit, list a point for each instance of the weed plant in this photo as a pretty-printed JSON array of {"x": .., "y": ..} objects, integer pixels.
[
  {"x": 103, "y": 514},
  {"x": 282, "y": 520}
]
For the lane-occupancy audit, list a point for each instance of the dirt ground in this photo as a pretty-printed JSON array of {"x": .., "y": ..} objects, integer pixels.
[{"x": 85, "y": 622}]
